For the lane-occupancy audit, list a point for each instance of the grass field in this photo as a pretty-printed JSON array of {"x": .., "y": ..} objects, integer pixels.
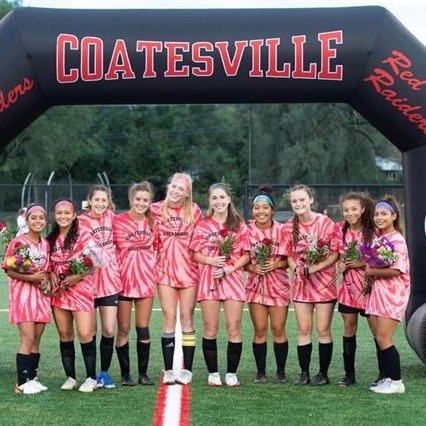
[{"x": 247, "y": 405}]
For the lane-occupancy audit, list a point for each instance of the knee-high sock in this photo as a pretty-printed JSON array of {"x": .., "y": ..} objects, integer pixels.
[
  {"x": 210, "y": 354},
  {"x": 123, "y": 358},
  {"x": 68, "y": 358},
  {"x": 89, "y": 357},
  {"x": 349, "y": 349},
  {"x": 107, "y": 349},
  {"x": 259, "y": 352},
  {"x": 233, "y": 356},
  {"x": 281, "y": 352},
  {"x": 168, "y": 349},
  {"x": 304, "y": 353}
]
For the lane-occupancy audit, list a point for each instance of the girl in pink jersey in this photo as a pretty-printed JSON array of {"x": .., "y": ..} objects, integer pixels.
[
  {"x": 29, "y": 308},
  {"x": 358, "y": 228},
  {"x": 312, "y": 249},
  {"x": 107, "y": 283},
  {"x": 134, "y": 236},
  {"x": 268, "y": 286},
  {"x": 176, "y": 270},
  {"x": 221, "y": 279},
  {"x": 72, "y": 299},
  {"x": 388, "y": 299}
]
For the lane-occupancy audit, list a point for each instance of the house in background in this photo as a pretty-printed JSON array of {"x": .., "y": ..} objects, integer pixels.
[{"x": 391, "y": 170}]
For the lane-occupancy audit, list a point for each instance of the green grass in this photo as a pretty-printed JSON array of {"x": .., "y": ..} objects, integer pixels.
[{"x": 248, "y": 405}]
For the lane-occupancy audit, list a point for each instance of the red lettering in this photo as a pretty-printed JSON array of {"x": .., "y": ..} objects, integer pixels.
[
  {"x": 381, "y": 77},
  {"x": 231, "y": 67},
  {"x": 173, "y": 58},
  {"x": 13, "y": 95},
  {"x": 92, "y": 46},
  {"x": 197, "y": 57},
  {"x": 62, "y": 41},
  {"x": 120, "y": 63},
  {"x": 327, "y": 54},
  {"x": 256, "y": 69},
  {"x": 298, "y": 71},
  {"x": 398, "y": 60},
  {"x": 150, "y": 47},
  {"x": 273, "y": 71}
]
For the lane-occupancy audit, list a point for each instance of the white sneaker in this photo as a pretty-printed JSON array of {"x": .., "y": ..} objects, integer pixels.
[
  {"x": 169, "y": 377},
  {"x": 374, "y": 385},
  {"x": 231, "y": 380},
  {"x": 69, "y": 384},
  {"x": 185, "y": 377},
  {"x": 214, "y": 379},
  {"x": 28, "y": 388},
  {"x": 40, "y": 386},
  {"x": 89, "y": 385},
  {"x": 389, "y": 386}
]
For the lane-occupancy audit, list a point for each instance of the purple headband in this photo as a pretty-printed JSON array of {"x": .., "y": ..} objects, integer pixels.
[
  {"x": 385, "y": 205},
  {"x": 33, "y": 208}
]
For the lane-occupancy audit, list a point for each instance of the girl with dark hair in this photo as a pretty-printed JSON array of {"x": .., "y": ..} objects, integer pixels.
[
  {"x": 358, "y": 228},
  {"x": 268, "y": 285},
  {"x": 135, "y": 235},
  {"x": 29, "y": 308},
  {"x": 220, "y": 244},
  {"x": 97, "y": 221},
  {"x": 388, "y": 299},
  {"x": 312, "y": 249},
  {"x": 72, "y": 298},
  {"x": 176, "y": 270}
]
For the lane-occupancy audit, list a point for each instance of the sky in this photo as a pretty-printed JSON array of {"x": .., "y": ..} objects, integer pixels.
[{"x": 411, "y": 13}]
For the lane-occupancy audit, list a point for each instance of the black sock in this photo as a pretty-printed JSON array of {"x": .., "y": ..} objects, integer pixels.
[
  {"x": 233, "y": 356},
  {"x": 325, "y": 353},
  {"x": 304, "y": 354},
  {"x": 188, "y": 349},
  {"x": 168, "y": 349},
  {"x": 23, "y": 367},
  {"x": 123, "y": 358},
  {"x": 89, "y": 356},
  {"x": 35, "y": 361},
  {"x": 379, "y": 360},
  {"x": 391, "y": 363},
  {"x": 349, "y": 349},
  {"x": 68, "y": 358},
  {"x": 107, "y": 349},
  {"x": 143, "y": 356},
  {"x": 281, "y": 352},
  {"x": 210, "y": 354},
  {"x": 259, "y": 352}
]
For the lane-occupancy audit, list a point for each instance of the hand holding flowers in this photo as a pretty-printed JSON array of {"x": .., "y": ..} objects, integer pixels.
[{"x": 225, "y": 245}]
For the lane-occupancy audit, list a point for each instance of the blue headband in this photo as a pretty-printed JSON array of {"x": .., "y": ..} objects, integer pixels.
[
  {"x": 263, "y": 197},
  {"x": 385, "y": 205}
]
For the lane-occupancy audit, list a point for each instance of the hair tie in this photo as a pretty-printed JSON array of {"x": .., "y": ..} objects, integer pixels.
[
  {"x": 385, "y": 205},
  {"x": 263, "y": 197},
  {"x": 33, "y": 208}
]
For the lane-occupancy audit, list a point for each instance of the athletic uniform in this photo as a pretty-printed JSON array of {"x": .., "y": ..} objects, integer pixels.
[
  {"x": 205, "y": 241},
  {"x": 78, "y": 297},
  {"x": 320, "y": 286},
  {"x": 136, "y": 255},
  {"x": 389, "y": 296},
  {"x": 26, "y": 300},
  {"x": 175, "y": 265},
  {"x": 272, "y": 289},
  {"x": 106, "y": 279}
]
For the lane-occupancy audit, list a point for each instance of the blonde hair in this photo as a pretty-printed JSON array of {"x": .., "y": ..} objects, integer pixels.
[{"x": 188, "y": 216}]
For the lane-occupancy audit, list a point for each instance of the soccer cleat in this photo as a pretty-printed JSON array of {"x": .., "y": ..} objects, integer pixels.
[
  {"x": 184, "y": 377},
  {"x": 376, "y": 383},
  {"x": 104, "y": 380},
  {"x": 280, "y": 378},
  {"x": 260, "y": 379},
  {"x": 388, "y": 386},
  {"x": 89, "y": 385},
  {"x": 231, "y": 380},
  {"x": 320, "y": 379},
  {"x": 127, "y": 380},
  {"x": 40, "y": 386},
  {"x": 69, "y": 384},
  {"x": 144, "y": 380},
  {"x": 304, "y": 379},
  {"x": 214, "y": 380},
  {"x": 27, "y": 388},
  {"x": 169, "y": 377},
  {"x": 347, "y": 380}
]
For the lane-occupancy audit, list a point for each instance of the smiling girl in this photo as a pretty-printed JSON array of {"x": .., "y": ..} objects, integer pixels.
[
  {"x": 389, "y": 296},
  {"x": 29, "y": 308},
  {"x": 176, "y": 270}
]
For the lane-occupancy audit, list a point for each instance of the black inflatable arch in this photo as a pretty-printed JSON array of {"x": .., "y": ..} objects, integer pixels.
[{"x": 362, "y": 56}]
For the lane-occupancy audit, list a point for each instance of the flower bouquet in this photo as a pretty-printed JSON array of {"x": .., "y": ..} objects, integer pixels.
[
  {"x": 225, "y": 245},
  {"x": 380, "y": 253},
  {"x": 6, "y": 233},
  {"x": 317, "y": 251},
  {"x": 262, "y": 251}
]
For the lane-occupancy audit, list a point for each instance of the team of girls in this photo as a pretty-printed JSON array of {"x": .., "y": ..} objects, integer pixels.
[{"x": 170, "y": 247}]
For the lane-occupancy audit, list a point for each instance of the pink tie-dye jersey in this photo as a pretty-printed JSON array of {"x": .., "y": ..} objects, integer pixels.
[
  {"x": 80, "y": 297},
  {"x": 26, "y": 301},
  {"x": 175, "y": 266},
  {"x": 352, "y": 281},
  {"x": 106, "y": 279},
  {"x": 205, "y": 241},
  {"x": 272, "y": 289},
  {"x": 136, "y": 255},
  {"x": 389, "y": 296},
  {"x": 320, "y": 286}
]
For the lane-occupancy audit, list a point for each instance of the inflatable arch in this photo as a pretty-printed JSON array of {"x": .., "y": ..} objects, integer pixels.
[{"x": 362, "y": 56}]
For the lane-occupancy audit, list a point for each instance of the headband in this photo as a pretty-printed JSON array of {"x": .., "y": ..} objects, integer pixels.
[
  {"x": 263, "y": 197},
  {"x": 64, "y": 203},
  {"x": 385, "y": 205},
  {"x": 35, "y": 207}
]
